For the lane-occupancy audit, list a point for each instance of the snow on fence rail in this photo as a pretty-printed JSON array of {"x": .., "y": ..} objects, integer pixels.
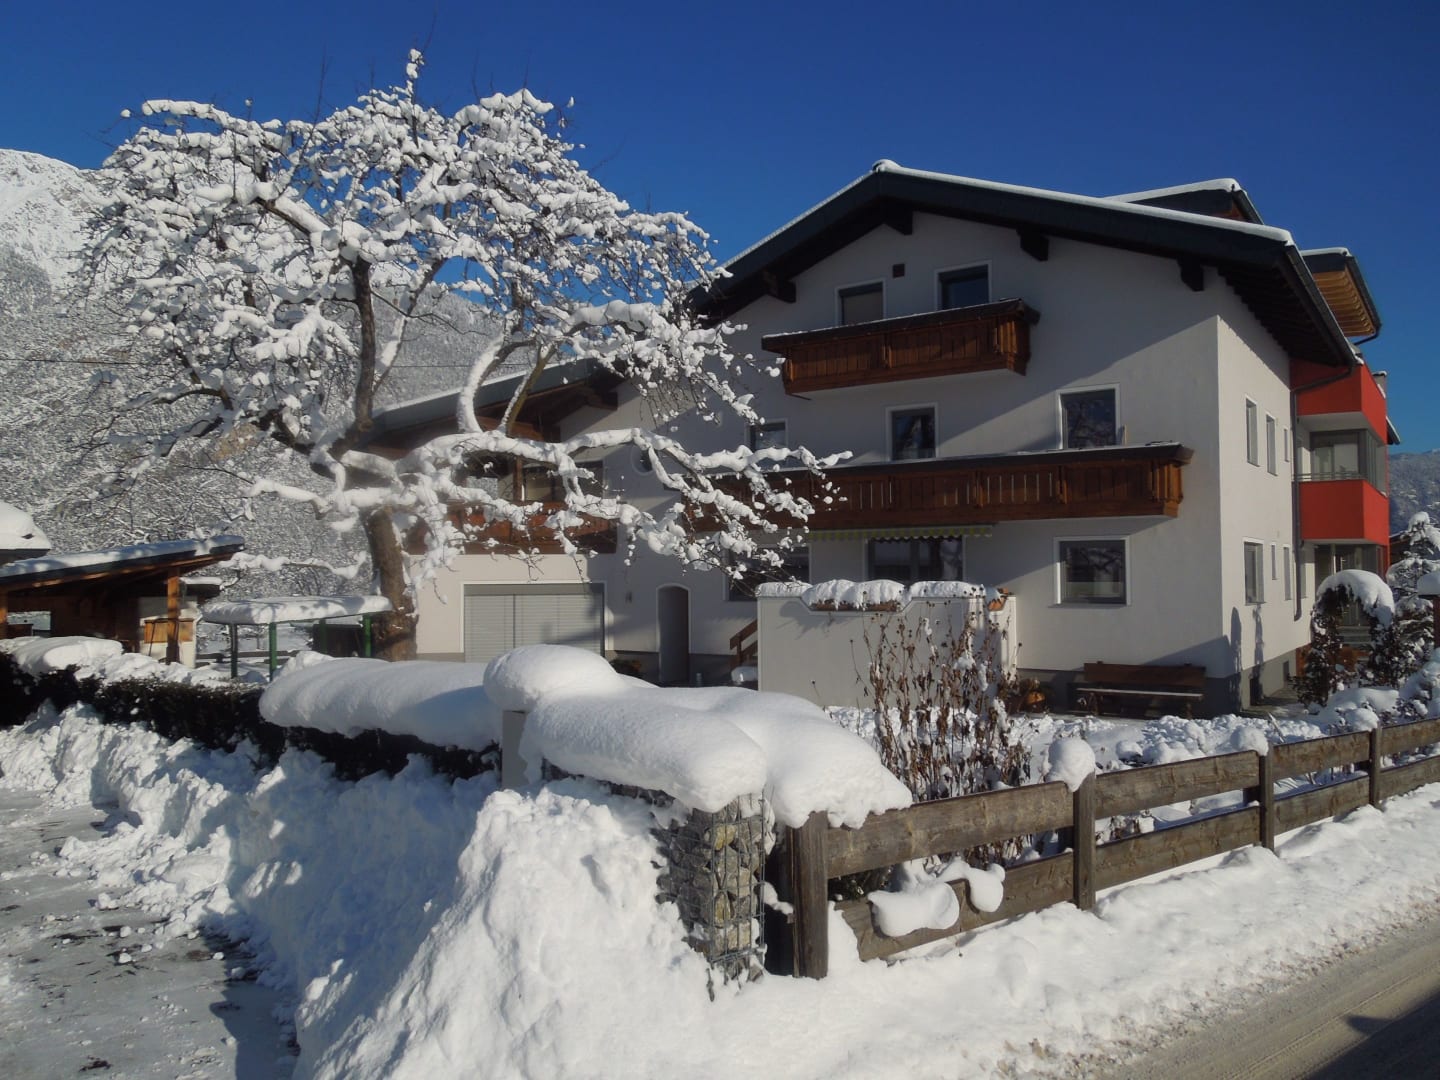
[{"x": 808, "y": 857}]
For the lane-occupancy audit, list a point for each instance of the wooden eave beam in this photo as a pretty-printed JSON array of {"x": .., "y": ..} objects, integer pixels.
[
  {"x": 1035, "y": 244},
  {"x": 782, "y": 289},
  {"x": 900, "y": 217}
]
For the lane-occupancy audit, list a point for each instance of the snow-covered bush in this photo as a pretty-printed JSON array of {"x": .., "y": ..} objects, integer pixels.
[
  {"x": 1331, "y": 664},
  {"x": 941, "y": 724}
]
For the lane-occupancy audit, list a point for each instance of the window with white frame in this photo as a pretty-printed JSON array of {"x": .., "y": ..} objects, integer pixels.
[
  {"x": 912, "y": 433},
  {"x": 862, "y": 303},
  {"x": 1093, "y": 571},
  {"x": 1252, "y": 433},
  {"x": 928, "y": 558},
  {"x": 1270, "y": 444},
  {"x": 1254, "y": 573},
  {"x": 964, "y": 288},
  {"x": 1287, "y": 440},
  {"x": 1088, "y": 418},
  {"x": 1274, "y": 562},
  {"x": 1288, "y": 561},
  {"x": 767, "y": 436}
]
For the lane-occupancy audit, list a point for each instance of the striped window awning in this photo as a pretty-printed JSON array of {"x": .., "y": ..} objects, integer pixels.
[{"x": 901, "y": 532}]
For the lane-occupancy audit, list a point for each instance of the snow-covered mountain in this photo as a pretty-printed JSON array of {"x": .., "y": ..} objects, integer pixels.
[
  {"x": 1414, "y": 486},
  {"x": 43, "y": 206}
]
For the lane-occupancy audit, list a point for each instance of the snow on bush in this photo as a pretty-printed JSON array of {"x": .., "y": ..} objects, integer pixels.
[
  {"x": 436, "y": 701},
  {"x": 1359, "y": 708},
  {"x": 1369, "y": 590},
  {"x": 40, "y": 656}
]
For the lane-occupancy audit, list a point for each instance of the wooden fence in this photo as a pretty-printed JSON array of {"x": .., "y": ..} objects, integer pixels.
[{"x": 807, "y": 858}]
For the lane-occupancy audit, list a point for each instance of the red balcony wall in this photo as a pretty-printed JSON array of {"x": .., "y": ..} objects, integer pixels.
[
  {"x": 1343, "y": 510},
  {"x": 1356, "y": 393}
]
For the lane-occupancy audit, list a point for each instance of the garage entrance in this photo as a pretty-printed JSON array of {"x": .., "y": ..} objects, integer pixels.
[{"x": 503, "y": 617}]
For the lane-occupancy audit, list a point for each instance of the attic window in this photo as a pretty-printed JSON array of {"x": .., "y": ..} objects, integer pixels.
[
  {"x": 965, "y": 288},
  {"x": 862, "y": 303}
]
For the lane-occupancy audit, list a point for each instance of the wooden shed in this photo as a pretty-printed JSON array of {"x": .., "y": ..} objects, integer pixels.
[{"x": 105, "y": 592}]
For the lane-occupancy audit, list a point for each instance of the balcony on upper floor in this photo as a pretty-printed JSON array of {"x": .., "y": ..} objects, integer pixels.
[
  {"x": 1337, "y": 507},
  {"x": 502, "y": 538},
  {"x": 958, "y": 341},
  {"x": 1116, "y": 481}
]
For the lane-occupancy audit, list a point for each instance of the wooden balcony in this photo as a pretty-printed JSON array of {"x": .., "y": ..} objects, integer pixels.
[
  {"x": 1121, "y": 481},
  {"x": 987, "y": 337},
  {"x": 592, "y": 534}
]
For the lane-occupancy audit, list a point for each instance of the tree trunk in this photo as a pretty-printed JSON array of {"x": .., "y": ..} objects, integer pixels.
[{"x": 394, "y": 632}]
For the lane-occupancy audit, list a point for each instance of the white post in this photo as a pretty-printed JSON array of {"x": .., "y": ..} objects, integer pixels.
[{"x": 512, "y": 765}]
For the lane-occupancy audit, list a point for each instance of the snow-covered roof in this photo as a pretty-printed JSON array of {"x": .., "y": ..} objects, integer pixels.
[
  {"x": 18, "y": 531},
  {"x": 283, "y": 609},
  {"x": 1225, "y": 183},
  {"x": 130, "y": 556},
  {"x": 1260, "y": 262}
]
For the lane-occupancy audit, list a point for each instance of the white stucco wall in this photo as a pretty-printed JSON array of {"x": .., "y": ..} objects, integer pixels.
[{"x": 1183, "y": 363}]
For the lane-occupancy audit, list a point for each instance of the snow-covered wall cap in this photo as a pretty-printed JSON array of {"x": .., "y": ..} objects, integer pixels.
[
  {"x": 1369, "y": 591},
  {"x": 862, "y": 595},
  {"x": 40, "y": 656},
  {"x": 283, "y": 609},
  {"x": 706, "y": 747},
  {"x": 131, "y": 553},
  {"x": 1429, "y": 584},
  {"x": 18, "y": 531}
]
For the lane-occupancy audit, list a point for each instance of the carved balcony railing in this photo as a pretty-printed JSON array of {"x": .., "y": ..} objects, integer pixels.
[
  {"x": 1121, "y": 481},
  {"x": 987, "y": 337},
  {"x": 503, "y": 538}
]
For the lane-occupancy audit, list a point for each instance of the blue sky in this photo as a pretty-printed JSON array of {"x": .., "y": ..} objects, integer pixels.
[{"x": 745, "y": 114}]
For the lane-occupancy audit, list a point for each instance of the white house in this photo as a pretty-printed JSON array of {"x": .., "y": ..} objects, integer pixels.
[{"x": 1088, "y": 402}]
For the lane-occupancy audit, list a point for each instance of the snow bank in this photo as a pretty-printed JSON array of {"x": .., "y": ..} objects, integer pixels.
[
  {"x": 441, "y": 703},
  {"x": 1358, "y": 708},
  {"x": 433, "y": 928},
  {"x": 1369, "y": 591},
  {"x": 40, "y": 656}
]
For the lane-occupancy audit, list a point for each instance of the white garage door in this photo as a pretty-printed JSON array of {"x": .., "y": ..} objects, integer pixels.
[{"x": 502, "y": 617}]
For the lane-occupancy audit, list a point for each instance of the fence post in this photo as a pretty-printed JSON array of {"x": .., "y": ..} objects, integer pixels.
[
  {"x": 1373, "y": 767},
  {"x": 1264, "y": 794},
  {"x": 1083, "y": 843},
  {"x": 512, "y": 765},
  {"x": 810, "y": 920}
]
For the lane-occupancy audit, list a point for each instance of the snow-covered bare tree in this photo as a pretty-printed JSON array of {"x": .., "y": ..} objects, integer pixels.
[{"x": 276, "y": 269}]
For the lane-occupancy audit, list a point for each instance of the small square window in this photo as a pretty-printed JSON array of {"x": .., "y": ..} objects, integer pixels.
[
  {"x": 912, "y": 433},
  {"x": 965, "y": 288},
  {"x": 1254, "y": 573},
  {"x": 1087, "y": 418},
  {"x": 862, "y": 303},
  {"x": 1252, "y": 433},
  {"x": 767, "y": 436},
  {"x": 1270, "y": 444},
  {"x": 1092, "y": 572}
]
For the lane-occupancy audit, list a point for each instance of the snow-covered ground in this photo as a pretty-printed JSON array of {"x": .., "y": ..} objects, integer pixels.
[{"x": 424, "y": 927}]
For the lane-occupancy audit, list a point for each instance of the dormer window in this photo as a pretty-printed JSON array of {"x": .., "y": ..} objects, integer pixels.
[
  {"x": 862, "y": 303},
  {"x": 965, "y": 287}
]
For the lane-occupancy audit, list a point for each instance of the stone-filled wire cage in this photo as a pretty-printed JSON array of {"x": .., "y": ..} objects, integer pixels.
[{"x": 715, "y": 876}]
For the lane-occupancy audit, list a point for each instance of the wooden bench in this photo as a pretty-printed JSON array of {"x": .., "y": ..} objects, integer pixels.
[{"x": 1125, "y": 687}]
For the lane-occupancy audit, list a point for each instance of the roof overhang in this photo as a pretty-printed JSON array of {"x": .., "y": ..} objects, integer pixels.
[
  {"x": 1260, "y": 263},
  {"x": 137, "y": 564},
  {"x": 1341, "y": 283}
]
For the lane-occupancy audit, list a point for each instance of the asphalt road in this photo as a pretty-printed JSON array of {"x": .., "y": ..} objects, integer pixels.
[
  {"x": 1371, "y": 1013},
  {"x": 91, "y": 988}
]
